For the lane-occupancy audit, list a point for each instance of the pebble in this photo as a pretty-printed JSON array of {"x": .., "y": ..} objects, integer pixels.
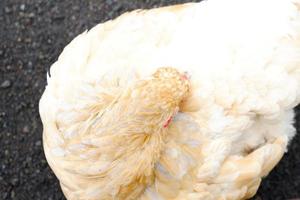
[
  {"x": 28, "y": 40},
  {"x": 7, "y": 10},
  {"x": 109, "y": 2},
  {"x": 5, "y": 84},
  {"x": 31, "y": 15},
  {"x": 25, "y": 129},
  {"x": 8, "y": 67},
  {"x": 38, "y": 143},
  {"x": 22, "y": 7},
  {"x": 28, "y": 159},
  {"x": 30, "y": 64},
  {"x": 14, "y": 181},
  {"x": 12, "y": 194}
]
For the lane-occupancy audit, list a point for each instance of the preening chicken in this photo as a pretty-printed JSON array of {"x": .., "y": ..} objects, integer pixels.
[{"x": 193, "y": 101}]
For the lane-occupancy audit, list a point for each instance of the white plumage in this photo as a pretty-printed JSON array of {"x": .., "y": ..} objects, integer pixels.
[{"x": 243, "y": 59}]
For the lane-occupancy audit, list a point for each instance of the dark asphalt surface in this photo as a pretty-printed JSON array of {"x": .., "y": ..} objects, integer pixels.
[{"x": 32, "y": 35}]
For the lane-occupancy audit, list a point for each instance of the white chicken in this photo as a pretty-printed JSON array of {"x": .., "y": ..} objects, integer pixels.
[{"x": 193, "y": 101}]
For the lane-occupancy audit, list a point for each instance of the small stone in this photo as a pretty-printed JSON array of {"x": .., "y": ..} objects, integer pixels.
[
  {"x": 6, "y": 152},
  {"x": 41, "y": 56},
  {"x": 12, "y": 194},
  {"x": 36, "y": 84},
  {"x": 28, "y": 40},
  {"x": 38, "y": 143},
  {"x": 5, "y": 84},
  {"x": 7, "y": 10},
  {"x": 25, "y": 129},
  {"x": 28, "y": 159},
  {"x": 22, "y": 7},
  {"x": 31, "y": 15},
  {"x": 14, "y": 181},
  {"x": 109, "y": 2}
]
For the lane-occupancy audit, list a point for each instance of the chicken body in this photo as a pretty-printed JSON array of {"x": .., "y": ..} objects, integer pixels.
[{"x": 118, "y": 125}]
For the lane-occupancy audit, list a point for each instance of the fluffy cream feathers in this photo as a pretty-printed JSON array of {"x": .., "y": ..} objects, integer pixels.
[{"x": 243, "y": 58}]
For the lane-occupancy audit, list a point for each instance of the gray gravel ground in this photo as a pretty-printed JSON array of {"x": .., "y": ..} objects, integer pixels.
[{"x": 32, "y": 35}]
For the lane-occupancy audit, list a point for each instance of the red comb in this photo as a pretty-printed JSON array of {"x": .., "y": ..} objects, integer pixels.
[{"x": 168, "y": 122}]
